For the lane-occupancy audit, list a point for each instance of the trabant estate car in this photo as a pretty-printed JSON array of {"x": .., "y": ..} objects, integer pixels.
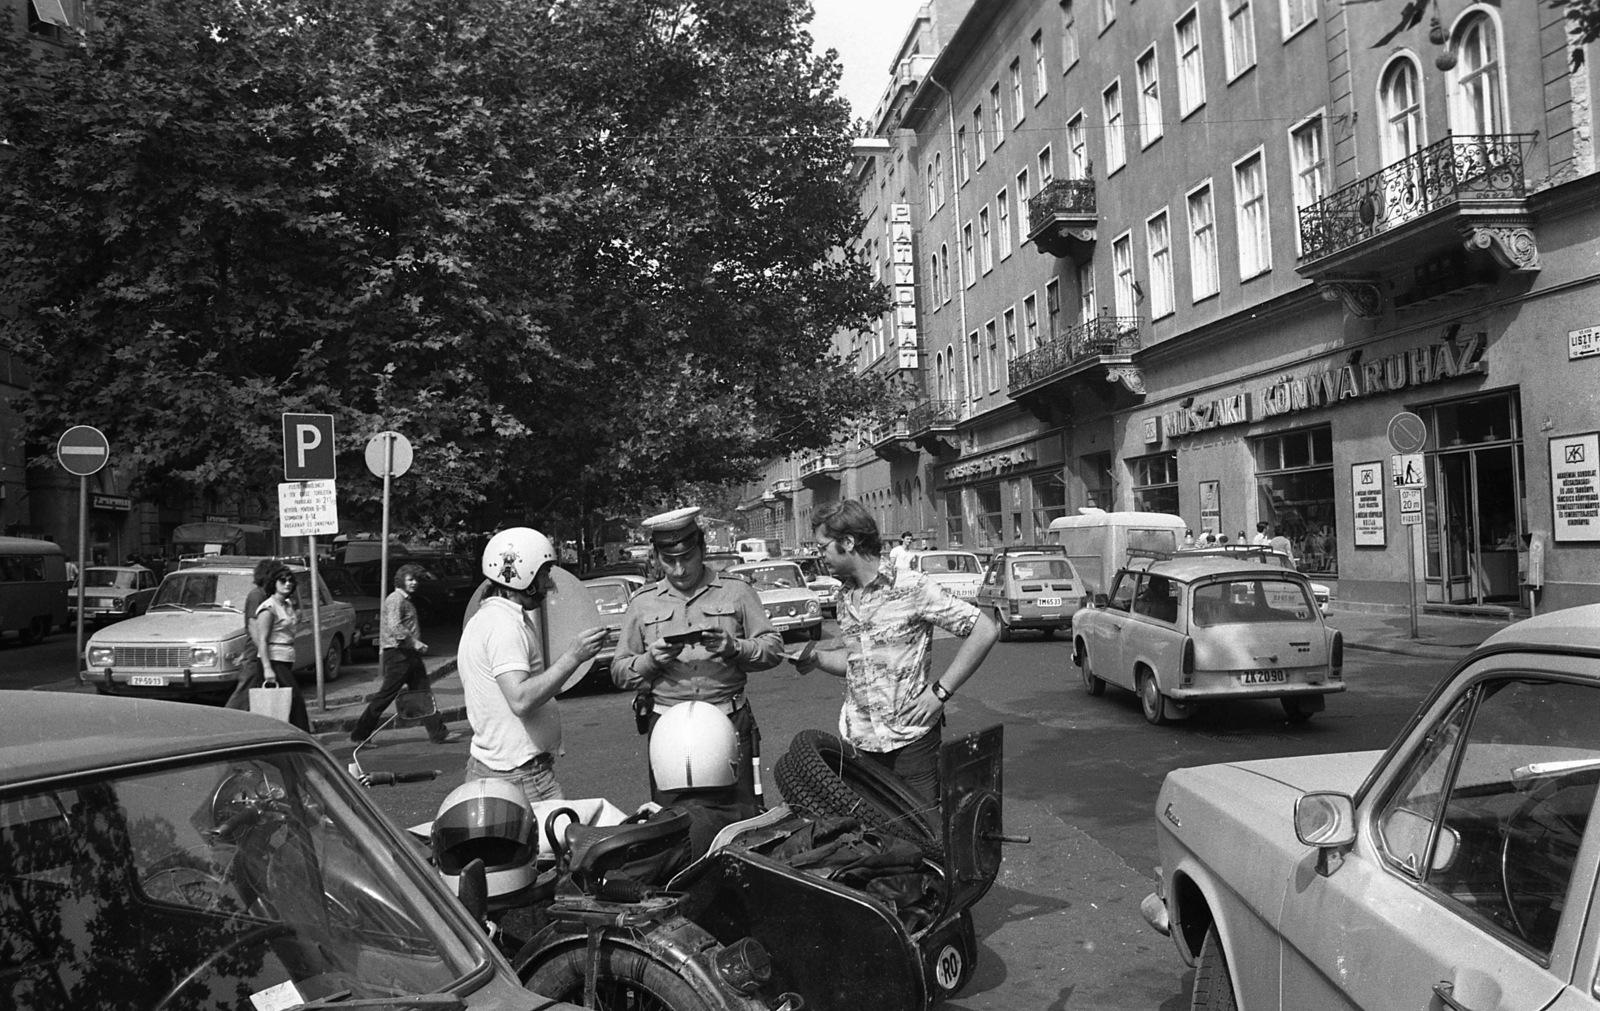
[
  {"x": 164, "y": 857},
  {"x": 111, "y": 592},
  {"x": 958, "y": 573},
  {"x": 1184, "y": 631},
  {"x": 188, "y": 645},
  {"x": 1261, "y": 553},
  {"x": 1455, "y": 870},
  {"x": 1036, "y": 590},
  {"x": 790, "y": 605}
]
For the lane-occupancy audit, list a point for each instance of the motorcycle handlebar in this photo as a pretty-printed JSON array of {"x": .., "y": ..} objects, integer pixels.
[{"x": 391, "y": 778}]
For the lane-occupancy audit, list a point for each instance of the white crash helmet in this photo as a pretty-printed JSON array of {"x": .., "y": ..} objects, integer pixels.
[
  {"x": 694, "y": 747},
  {"x": 489, "y": 819},
  {"x": 515, "y": 556}
]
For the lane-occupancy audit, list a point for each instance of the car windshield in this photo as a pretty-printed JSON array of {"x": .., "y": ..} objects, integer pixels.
[
  {"x": 340, "y": 583},
  {"x": 197, "y": 590},
  {"x": 773, "y": 577},
  {"x": 1042, "y": 568},
  {"x": 610, "y": 598},
  {"x": 194, "y": 886},
  {"x": 964, "y": 564},
  {"x": 118, "y": 579},
  {"x": 1247, "y": 600}
]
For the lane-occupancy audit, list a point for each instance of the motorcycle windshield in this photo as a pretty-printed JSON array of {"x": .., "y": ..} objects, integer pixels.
[{"x": 200, "y": 885}]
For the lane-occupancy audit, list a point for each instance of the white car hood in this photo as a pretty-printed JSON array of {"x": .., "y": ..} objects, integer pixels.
[{"x": 162, "y": 627}]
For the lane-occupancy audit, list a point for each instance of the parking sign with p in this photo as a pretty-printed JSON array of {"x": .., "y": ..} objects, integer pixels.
[{"x": 308, "y": 447}]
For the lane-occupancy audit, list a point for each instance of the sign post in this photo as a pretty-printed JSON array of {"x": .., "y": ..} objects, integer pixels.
[
  {"x": 1408, "y": 433},
  {"x": 309, "y": 459},
  {"x": 388, "y": 456},
  {"x": 83, "y": 450}
]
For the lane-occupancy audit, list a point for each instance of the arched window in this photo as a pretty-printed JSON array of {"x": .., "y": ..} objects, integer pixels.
[
  {"x": 1401, "y": 99},
  {"x": 944, "y": 272},
  {"x": 933, "y": 278},
  {"x": 1475, "y": 96}
]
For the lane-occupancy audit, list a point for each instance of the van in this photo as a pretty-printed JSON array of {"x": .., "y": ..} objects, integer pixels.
[
  {"x": 199, "y": 539},
  {"x": 756, "y": 549},
  {"x": 33, "y": 587},
  {"x": 1097, "y": 541}
]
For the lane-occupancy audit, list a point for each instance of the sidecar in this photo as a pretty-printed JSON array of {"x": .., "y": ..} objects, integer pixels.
[{"x": 744, "y": 928}]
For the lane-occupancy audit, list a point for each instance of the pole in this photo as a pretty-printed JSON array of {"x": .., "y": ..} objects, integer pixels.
[
  {"x": 316, "y": 627},
  {"x": 1411, "y": 559},
  {"x": 83, "y": 558},
  {"x": 383, "y": 546}
]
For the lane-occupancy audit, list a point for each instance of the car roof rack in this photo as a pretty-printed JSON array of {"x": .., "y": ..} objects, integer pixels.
[{"x": 1154, "y": 554}]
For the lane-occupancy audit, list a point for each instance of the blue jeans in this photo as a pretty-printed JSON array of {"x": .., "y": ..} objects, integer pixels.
[
  {"x": 536, "y": 777},
  {"x": 917, "y": 763}
]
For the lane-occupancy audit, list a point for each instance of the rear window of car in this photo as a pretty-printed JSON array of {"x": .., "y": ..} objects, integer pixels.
[
  {"x": 964, "y": 564},
  {"x": 1042, "y": 569},
  {"x": 1251, "y": 600}
]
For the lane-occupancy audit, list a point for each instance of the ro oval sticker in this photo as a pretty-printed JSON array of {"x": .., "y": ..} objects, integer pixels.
[{"x": 947, "y": 970}]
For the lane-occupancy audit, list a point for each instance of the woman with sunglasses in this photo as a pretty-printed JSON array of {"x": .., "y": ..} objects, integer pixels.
[{"x": 274, "y": 630}]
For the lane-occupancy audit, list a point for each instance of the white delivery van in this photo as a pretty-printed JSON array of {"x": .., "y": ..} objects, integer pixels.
[
  {"x": 757, "y": 549},
  {"x": 1097, "y": 541}
]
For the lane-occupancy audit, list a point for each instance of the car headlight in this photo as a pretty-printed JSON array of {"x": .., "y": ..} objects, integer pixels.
[
  {"x": 768, "y": 609},
  {"x": 118, "y": 604},
  {"x": 813, "y": 607},
  {"x": 366, "y": 627},
  {"x": 203, "y": 656},
  {"x": 100, "y": 656}
]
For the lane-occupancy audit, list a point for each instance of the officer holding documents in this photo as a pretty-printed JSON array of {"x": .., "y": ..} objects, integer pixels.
[{"x": 692, "y": 637}]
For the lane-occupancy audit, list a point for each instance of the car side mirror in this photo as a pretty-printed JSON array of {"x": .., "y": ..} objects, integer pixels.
[
  {"x": 1101, "y": 600},
  {"x": 1328, "y": 822}
]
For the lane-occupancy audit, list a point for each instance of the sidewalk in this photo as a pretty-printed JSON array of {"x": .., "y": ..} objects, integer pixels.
[{"x": 358, "y": 683}]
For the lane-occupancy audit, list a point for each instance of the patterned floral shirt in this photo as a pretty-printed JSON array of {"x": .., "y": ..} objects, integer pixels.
[{"x": 888, "y": 634}]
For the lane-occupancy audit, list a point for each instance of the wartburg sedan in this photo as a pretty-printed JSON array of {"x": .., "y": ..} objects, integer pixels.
[
  {"x": 791, "y": 606},
  {"x": 1185, "y": 631},
  {"x": 1453, "y": 871}
]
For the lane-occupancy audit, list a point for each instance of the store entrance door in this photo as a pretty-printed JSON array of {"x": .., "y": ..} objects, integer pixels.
[{"x": 1478, "y": 523}]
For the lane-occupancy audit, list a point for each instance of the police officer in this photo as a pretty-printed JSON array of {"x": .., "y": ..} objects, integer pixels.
[{"x": 734, "y": 638}]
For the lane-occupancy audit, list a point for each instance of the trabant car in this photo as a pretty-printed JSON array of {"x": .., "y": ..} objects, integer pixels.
[
  {"x": 1456, "y": 870},
  {"x": 165, "y": 856},
  {"x": 189, "y": 643},
  {"x": 1184, "y": 631},
  {"x": 1261, "y": 553},
  {"x": 111, "y": 592},
  {"x": 1035, "y": 590},
  {"x": 790, "y": 605},
  {"x": 958, "y": 573}
]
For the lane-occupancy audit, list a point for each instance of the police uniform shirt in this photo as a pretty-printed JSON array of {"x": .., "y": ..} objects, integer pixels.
[{"x": 696, "y": 675}]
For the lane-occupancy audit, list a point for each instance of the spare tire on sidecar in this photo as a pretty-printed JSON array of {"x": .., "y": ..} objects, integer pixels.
[{"x": 768, "y": 920}]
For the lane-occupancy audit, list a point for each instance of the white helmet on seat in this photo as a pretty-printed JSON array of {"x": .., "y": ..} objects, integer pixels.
[
  {"x": 694, "y": 747},
  {"x": 514, "y": 557}
]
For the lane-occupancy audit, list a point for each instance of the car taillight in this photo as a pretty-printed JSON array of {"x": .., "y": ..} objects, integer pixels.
[
  {"x": 1014, "y": 607},
  {"x": 1188, "y": 660},
  {"x": 1336, "y": 656}
]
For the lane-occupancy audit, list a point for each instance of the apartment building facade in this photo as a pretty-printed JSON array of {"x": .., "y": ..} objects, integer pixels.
[{"x": 1197, "y": 258}]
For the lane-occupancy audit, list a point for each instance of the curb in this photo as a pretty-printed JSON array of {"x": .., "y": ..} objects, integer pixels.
[{"x": 1420, "y": 650}]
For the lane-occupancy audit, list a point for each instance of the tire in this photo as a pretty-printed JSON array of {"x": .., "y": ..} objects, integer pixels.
[
  {"x": 1005, "y": 630},
  {"x": 1213, "y": 987},
  {"x": 1092, "y": 684},
  {"x": 37, "y": 629},
  {"x": 333, "y": 661},
  {"x": 1152, "y": 701},
  {"x": 627, "y": 980},
  {"x": 1294, "y": 710},
  {"x": 818, "y": 776}
]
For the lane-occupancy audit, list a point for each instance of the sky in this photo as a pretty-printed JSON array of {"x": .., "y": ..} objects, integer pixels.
[{"x": 867, "y": 33}]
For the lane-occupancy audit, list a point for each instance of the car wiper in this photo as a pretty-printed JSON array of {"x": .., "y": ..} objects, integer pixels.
[
  {"x": 1540, "y": 770},
  {"x": 178, "y": 607},
  {"x": 440, "y": 1001},
  {"x": 215, "y": 607}
]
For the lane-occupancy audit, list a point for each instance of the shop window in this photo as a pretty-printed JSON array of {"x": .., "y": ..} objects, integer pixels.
[
  {"x": 1155, "y": 483},
  {"x": 990, "y": 516},
  {"x": 1294, "y": 489},
  {"x": 1049, "y": 502},
  {"x": 954, "y": 527}
]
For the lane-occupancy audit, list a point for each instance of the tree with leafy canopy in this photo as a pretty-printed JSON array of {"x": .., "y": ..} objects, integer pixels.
[{"x": 580, "y": 252}]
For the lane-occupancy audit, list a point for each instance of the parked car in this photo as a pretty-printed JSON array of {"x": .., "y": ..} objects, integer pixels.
[
  {"x": 958, "y": 573},
  {"x": 343, "y": 585},
  {"x": 1454, "y": 870},
  {"x": 1262, "y": 553},
  {"x": 828, "y": 589},
  {"x": 112, "y": 592},
  {"x": 1184, "y": 631},
  {"x": 611, "y": 596},
  {"x": 443, "y": 590},
  {"x": 189, "y": 643},
  {"x": 790, "y": 605},
  {"x": 166, "y": 856},
  {"x": 1030, "y": 589}
]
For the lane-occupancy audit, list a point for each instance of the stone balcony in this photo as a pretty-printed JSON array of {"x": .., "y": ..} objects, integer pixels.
[{"x": 1062, "y": 219}]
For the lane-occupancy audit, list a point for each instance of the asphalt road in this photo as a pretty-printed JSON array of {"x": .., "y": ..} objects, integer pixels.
[{"x": 1061, "y": 928}]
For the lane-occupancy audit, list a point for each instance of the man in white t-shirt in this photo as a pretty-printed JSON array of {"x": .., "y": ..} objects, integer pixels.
[
  {"x": 510, "y": 692},
  {"x": 900, "y": 554}
]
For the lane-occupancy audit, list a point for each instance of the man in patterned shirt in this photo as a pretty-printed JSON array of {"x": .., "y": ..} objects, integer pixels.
[{"x": 893, "y": 707}]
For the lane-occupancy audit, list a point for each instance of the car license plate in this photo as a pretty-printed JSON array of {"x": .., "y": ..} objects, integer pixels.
[
  {"x": 1272, "y": 675},
  {"x": 147, "y": 681},
  {"x": 1049, "y": 601}
]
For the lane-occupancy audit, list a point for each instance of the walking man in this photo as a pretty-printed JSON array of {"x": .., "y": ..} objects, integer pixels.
[
  {"x": 734, "y": 637},
  {"x": 893, "y": 706},
  {"x": 900, "y": 554},
  {"x": 510, "y": 692},
  {"x": 400, "y": 653}
]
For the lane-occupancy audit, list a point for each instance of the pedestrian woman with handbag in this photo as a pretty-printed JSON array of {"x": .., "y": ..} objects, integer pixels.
[{"x": 274, "y": 630}]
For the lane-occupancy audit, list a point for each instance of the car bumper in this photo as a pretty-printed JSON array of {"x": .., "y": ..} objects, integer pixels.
[
  {"x": 95, "y": 614},
  {"x": 1224, "y": 686},
  {"x": 1053, "y": 619},
  {"x": 785, "y": 623},
  {"x": 175, "y": 684}
]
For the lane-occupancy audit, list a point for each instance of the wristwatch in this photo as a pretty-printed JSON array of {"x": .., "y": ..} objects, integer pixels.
[{"x": 939, "y": 691}]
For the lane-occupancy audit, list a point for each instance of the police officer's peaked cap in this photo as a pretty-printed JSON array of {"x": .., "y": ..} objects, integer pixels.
[{"x": 675, "y": 532}]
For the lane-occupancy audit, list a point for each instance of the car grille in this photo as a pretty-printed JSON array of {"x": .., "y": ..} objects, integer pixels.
[
  {"x": 150, "y": 656},
  {"x": 785, "y": 610}
]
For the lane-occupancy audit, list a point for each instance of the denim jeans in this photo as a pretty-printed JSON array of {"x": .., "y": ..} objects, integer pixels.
[
  {"x": 917, "y": 763},
  {"x": 537, "y": 777},
  {"x": 402, "y": 670}
]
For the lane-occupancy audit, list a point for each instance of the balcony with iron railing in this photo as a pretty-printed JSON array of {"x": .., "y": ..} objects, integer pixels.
[
  {"x": 1099, "y": 346},
  {"x": 818, "y": 467},
  {"x": 891, "y": 438},
  {"x": 1062, "y": 218},
  {"x": 783, "y": 487},
  {"x": 1462, "y": 190},
  {"x": 932, "y": 425}
]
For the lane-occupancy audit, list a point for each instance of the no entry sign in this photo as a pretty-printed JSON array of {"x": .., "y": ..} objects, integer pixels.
[{"x": 83, "y": 450}]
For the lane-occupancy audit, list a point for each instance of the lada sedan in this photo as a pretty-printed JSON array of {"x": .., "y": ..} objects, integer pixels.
[
  {"x": 828, "y": 589},
  {"x": 1185, "y": 631},
  {"x": 958, "y": 573},
  {"x": 1454, "y": 870},
  {"x": 169, "y": 857},
  {"x": 791, "y": 606},
  {"x": 189, "y": 644},
  {"x": 113, "y": 592}
]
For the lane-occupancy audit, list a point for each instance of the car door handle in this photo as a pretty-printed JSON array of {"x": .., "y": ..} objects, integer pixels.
[{"x": 1445, "y": 990}]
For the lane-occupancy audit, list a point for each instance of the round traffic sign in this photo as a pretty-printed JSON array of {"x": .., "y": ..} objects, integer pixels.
[
  {"x": 1407, "y": 433},
  {"x": 83, "y": 450},
  {"x": 378, "y": 448}
]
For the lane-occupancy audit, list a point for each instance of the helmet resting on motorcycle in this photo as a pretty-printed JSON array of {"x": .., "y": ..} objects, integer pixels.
[
  {"x": 694, "y": 747},
  {"x": 515, "y": 555},
  {"x": 488, "y": 819}
]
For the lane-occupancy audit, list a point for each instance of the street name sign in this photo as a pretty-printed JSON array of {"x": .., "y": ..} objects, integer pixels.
[
  {"x": 308, "y": 448},
  {"x": 307, "y": 508},
  {"x": 83, "y": 450}
]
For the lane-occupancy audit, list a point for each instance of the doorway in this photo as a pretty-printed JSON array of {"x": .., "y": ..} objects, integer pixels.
[{"x": 1475, "y": 500}]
